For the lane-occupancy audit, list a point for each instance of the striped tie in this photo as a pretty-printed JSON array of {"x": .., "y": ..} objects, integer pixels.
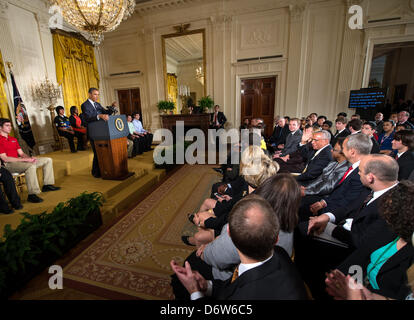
[{"x": 235, "y": 274}]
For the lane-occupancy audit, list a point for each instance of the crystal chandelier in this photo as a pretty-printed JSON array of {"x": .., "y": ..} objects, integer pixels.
[
  {"x": 46, "y": 91},
  {"x": 200, "y": 74},
  {"x": 95, "y": 16}
]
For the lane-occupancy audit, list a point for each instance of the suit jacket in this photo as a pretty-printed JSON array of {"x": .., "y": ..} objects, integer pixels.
[
  {"x": 316, "y": 165},
  {"x": 292, "y": 143},
  {"x": 375, "y": 146},
  {"x": 277, "y": 279},
  {"x": 406, "y": 164},
  {"x": 343, "y": 134},
  {"x": 363, "y": 219},
  {"x": 221, "y": 118},
  {"x": 344, "y": 194},
  {"x": 380, "y": 124},
  {"x": 392, "y": 277},
  {"x": 325, "y": 183},
  {"x": 90, "y": 113},
  {"x": 279, "y": 135}
]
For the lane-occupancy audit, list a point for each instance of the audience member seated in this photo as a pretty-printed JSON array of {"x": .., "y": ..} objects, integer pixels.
[
  {"x": 255, "y": 167},
  {"x": 379, "y": 121},
  {"x": 403, "y": 117},
  {"x": 369, "y": 128},
  {"x": 277, "y": 140},
  {"x": 64, "y": 129},
  {"x": 265, "y": 272},
  {"x": 331, "y": 243},
  {"x": 355, "y": 126},
  {"x": 137, "y": 139},
  {"x": 385, "y": 139},
  {"x": 327, "y": 125},
  {"x": 343, "y": 287},
  {"x": 341, "y": 129},
  {"x": 246, "y": 124},
  {"x": 77, "y": 126},
  {"x": 355, "y": 116},
  {"x": 142, "y": 132},
  {"x": 348, "y": 189},
  {"x": 320, "y": 121},
  {"x": 217, "y": 259},
  {"x": 331, "y": 175},
  {"x": 317, "y": 156},
  {"x": 386, "y": 255},
  {"x": 404, "y": 144},
  {"x": 9, "y": 187},
  {"x": 17, "y": 161},
  {"x": 292, "y": 140},
  {"x": 402, "y": 126}
]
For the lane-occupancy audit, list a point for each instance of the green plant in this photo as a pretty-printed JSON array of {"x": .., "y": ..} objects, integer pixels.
[
  {"x": 165, "y": 105},
  {"x": 206, "y": 102},
  {"x": 43, "y": 235}
]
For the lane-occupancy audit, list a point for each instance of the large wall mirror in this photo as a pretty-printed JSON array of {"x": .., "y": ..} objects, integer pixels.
[{"x": 184, "y": 68}]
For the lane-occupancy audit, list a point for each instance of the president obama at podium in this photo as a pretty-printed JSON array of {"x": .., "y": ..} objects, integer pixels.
[{"x": 93, "y": 111}]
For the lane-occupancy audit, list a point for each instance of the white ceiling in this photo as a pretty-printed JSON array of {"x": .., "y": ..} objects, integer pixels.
[{"x": 185, "y": 48}]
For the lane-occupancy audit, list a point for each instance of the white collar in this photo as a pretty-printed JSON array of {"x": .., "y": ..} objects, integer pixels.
[
  {"x": 243, "y": 267},
  {"x": 379, "y": 193},
  {"x": 92, "y": 103},
  {"x": 400, "y": 154}
]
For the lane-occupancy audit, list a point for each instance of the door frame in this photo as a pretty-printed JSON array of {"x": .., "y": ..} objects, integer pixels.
[
  {"x": 127, "y": 88},
  {"x": 239, "y": 79}
]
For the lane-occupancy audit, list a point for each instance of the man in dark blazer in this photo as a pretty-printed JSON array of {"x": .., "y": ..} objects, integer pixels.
[
  {"x": 217, "y": 118},
  {"x": 379, "y": 117},
  {"x": 292, "y": 140},
  {"x": 278, "y": 138},
  {"x": 273, "y": 276},
  {"x": 341, "y": 130},
  {"x": 316, "y": 158},
  {"x": 348, "y": 189},
  {"x": 93, "y": 111},
  {"x": 369, "y": 128},
  {"x": 404, "y": 144}
]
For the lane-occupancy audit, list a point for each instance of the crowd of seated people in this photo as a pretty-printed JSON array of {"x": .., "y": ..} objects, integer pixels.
[{"x": 333, "y": 200}]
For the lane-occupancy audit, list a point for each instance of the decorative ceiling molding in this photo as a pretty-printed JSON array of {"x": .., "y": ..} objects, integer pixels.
[{"x": 159, "y": 5}]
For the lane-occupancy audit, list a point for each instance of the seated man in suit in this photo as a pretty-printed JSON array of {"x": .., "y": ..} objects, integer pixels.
[
  {"x": 17, "y": 161},
  {"x": 341, "y": 130},
  {"x": 369, "y": 128},
  {"x": 403, "y": 117},
  {"x": 355, "y": 125},
  {"x": 278, "y": 138},
  {"x": 327, "y": 243},
  {"x": 348, "y": 189},
  {"x": 292, "y": 140},
  {"x": 404, "y": 144},
  {"x": 316, "y": 158},
  {"x": 265, "y": 272},
  {"x": 331, "y": 174}
]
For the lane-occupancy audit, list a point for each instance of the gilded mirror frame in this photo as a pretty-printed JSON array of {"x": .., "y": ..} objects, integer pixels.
[{"x": 164, "y": 57}]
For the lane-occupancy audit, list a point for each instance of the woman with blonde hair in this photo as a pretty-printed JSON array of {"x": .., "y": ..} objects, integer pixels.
[{"x": 255, "y": 168}]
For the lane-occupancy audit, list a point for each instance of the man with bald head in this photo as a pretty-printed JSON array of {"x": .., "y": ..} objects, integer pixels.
[
  {"x": 266, "y": 271},
  {"x": 327, "y": 243}
]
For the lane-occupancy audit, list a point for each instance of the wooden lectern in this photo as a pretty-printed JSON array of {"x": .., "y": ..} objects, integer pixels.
[{"x": 111, "y": 146}]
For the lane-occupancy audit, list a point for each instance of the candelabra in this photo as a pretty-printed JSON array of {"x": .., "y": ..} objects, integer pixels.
[
  {"x": 184, "y": 93},
  {"x": 48, "y": 92}
]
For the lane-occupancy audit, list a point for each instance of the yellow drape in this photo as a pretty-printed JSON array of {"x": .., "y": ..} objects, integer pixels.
[
  {"x": 76, "y": 69},
  {"x": 172, "y": 89},
  {"x": 4, "y": 105}
]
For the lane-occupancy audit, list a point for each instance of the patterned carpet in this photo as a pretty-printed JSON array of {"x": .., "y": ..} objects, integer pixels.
[{"x": 131, "y": 259}]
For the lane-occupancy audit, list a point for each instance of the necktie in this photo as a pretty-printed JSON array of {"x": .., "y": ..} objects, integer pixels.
[
  {"x": 235, "y": 274},
  {"x": 346, "y": 173},
  {"x": 215, "y": 118},
  {"x": 396, "y": 157},
  {"x": 95, "y": 105},
  {"x": 368, "y": 199}
]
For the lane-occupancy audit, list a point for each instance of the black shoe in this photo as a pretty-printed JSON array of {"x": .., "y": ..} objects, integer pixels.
[
  {"x": 191, "y": 218},
  {"x": 6, "y": 210},
  {"x": 185, "y": 240},
  {"x": 96, "y": 175},
  {"x": 73, "y": 151},
  {"x": 49, "y": 187},
  {"x": 18, "y": 207},
  {"x": 219, "y": 170},
  {"x": 34, "y": 198}
]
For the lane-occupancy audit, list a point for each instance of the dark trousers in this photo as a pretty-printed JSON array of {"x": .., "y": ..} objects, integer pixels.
[
  {"x": 304, "y": 211},
  {"x": 197, "y": 264},
  {"x": 96, "y": 172},
  {"x": 70, "y": 138},
  {"x": 148, "y": 141},
  {"x": 7, "y": 180}
]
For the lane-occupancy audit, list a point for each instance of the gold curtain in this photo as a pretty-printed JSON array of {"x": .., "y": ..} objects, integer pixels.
[
  {"x": 4, "y": 105},
  {"x": 172, "y": 89},
  {"x": 76, "y": 69}
]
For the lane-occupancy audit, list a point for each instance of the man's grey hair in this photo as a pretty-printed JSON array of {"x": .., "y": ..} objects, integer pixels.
[
  {"x": 360, "y": 142},
  {"x": 325, "y": 134},
  {"x": 383, "y": 167}
]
